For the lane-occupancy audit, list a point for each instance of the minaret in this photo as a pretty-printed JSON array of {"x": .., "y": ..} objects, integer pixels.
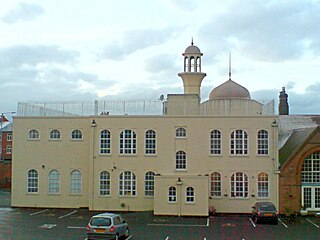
[
  {"x": 283, "y": 102},
  {"x": 192, "y": 75}
]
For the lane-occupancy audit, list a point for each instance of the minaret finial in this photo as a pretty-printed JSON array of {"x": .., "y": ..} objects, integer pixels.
[
  {"x": 192, "y": 41},
  {"x": 230, "y": 65}
]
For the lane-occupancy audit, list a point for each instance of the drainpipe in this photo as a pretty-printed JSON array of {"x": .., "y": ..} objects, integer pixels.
[{"x": 91, "y": 165}]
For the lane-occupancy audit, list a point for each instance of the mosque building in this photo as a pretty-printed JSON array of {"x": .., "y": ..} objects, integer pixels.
[{"x": 195, "y": 158}]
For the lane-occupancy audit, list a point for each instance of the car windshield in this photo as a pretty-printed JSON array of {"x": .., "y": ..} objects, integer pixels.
[
  {"x": 100, "y": 221},
  {"x": 267, "y": 207}
]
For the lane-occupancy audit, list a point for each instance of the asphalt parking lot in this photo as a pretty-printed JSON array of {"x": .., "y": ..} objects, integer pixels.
[{"x": 35, "y": 223}]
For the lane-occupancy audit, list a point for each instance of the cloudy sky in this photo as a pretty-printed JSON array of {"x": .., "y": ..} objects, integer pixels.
[{"x": 124, "y": 49}]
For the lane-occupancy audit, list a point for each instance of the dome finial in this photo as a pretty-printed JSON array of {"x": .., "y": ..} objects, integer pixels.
[
  {"x": 230, "y": 65},
  {"x": 192, "y": 41}
]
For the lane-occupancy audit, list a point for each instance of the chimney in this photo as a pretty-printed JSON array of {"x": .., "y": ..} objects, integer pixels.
[{"x": 283, "y": 102}]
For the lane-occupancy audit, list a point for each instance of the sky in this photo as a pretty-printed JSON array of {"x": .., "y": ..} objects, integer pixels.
[{"x": 132, "y": 50}]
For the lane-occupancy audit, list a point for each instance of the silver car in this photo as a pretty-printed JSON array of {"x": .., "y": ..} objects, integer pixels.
[{"x": 107, "y": 226}]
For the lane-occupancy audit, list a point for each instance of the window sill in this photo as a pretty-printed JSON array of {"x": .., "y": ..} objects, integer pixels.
[{"x": 32, "y": 193}]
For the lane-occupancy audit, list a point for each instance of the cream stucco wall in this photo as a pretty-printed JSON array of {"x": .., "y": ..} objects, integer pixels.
[{"x": 66, "y": 155}]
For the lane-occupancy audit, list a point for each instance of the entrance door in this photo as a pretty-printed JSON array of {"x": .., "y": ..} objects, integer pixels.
[{"x": 311, "y": 197}]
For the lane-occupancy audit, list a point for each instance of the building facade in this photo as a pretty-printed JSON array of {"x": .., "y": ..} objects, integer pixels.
[
  {"x": 219, "y": 154},
  {"x": 5, "y": 152}
]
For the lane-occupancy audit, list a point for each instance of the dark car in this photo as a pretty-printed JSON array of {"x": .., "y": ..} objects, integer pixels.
[
  {"x": 107, "y": 226},
  {"x": 264, "y": 211}
]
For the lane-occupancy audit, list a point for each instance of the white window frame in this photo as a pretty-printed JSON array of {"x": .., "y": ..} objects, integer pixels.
[
  {"x": 54, "y": 134},
  {"x": 239, "y": 185},
  {"x": 33, "y": 134},
  {"x": 104, "y": 183},
  {"x": 150, "y": 142},
  {"x": 76, "y": 134},
  {"x": 149, "y": 184},
  {"x": 181, "y": 132},
  {"x": 54, "y": 182},
  {"x": 33, "y": 181},
  {"x": 262, "y": 142},
  {"x": 75, "y": 182},
  {"x": 172, "y": 194},
  {"x": 190, "y": 195},
  {"x": 127, "y": 184},
  {"x": 128, "y": 142},
  {"x": 215, "y": 142},
  {"x": 181, "y": 160},
  {"x": 263, "y": 185},
  {"x": 9, "y": 137},
  {"x": 8, "y": 149},
  {"x": 105, "y": 142},
  {"x": 215, "y": 185},
  {"x": 239, "y": 142}
]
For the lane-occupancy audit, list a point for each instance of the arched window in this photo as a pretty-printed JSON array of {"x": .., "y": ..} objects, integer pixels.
[
  {"x": 263, "y": 142},
  {"x": 181, "y": 132},
  {"x": 189, "y": 195},
  {"x": 104, "y": 183},
  {"x": 105, "y": 142},
  {"x": 193, "y": 65},
  {"x": 239, "y": 185},
  {"x": 33, "y": 181},
  {"x": 33, "y": 134},
  {"x": 127, "y": 184},
  {"x": 172, "y": 194},
  {"x": 54, "y": 181},
  {"x": 75, "y": 182},
  {"x": 149, "y": 184},
  {"x": 215, "y": 142},
  {"x": 186, "y": 64},
  {"x": 239, "y": 142},
  {"x": 76, "y": 134},
  {"x": 198, "y": 62},
  {"x": 54, "y": 134},
  {"x": 215, "y": 182},
  {"x": 128, "y": 142},
  {"x": 150, "y": 142},
  {"x": 263, "y": 185},
  {"x": 181, "y": 160}
]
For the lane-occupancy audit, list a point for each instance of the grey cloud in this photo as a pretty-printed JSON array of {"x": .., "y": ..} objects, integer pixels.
[
  {"x": 135, "y": 40},
  {"x": 23, "y": 12},
  {"x": 185, "y": 5},
  {"x": 22, "y": 54},
  {"x": 271, "y": 33}
]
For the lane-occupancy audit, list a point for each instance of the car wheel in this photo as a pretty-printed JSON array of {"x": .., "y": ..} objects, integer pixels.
[{"x": 256, "y": 220}]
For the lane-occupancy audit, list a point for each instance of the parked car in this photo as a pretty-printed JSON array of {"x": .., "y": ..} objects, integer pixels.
[
  {"x": 264, "y": 211},
  {"x": 107, "y": 226}
]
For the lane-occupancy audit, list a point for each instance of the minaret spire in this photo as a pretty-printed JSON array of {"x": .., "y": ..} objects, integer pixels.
[
  {"x": 230, "y": 65},
  {"x": 192, "y": 41}
]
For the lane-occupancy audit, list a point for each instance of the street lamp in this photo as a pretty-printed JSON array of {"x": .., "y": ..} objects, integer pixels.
[{"x": 2, "y": 116}]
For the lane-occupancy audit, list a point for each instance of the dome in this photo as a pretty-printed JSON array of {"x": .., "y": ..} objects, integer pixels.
[
  {"x": 192, "y": 49},
  {"x": 229, "y": 89}
]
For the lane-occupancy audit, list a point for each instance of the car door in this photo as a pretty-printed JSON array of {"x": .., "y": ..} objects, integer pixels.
[{"x": 119, "y": 225}]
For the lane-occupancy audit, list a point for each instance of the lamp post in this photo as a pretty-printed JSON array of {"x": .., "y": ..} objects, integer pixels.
[{"x": 2, "y": 116}]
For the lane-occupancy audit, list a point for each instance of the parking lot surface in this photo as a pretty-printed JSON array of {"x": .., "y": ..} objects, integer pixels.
[{"x": 35, "y": 223}]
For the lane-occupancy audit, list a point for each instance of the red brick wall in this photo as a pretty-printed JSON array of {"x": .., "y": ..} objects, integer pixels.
[
  {"x": 5, "y": 174},
  {"x": 290, "y": 179},
  {"x": 5, "y": 143}
]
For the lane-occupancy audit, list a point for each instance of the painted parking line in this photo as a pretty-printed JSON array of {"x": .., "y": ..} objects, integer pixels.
[
  {"x": 167, "y": 238},
  {"x": 180, "y": 225},
  {"x": 68, "y": 214},
  {"x": 75, "y": 227},
  {"x": 36, "y": 213},
  {"x": 317, "y": 226},
  {"x": 252, "y": 222},
  {"x": 282, "y": 223},
  {"x": 48, "y": 226},
  {"x": 3, "y": 210},
  {"x": 208, "y": 222}
]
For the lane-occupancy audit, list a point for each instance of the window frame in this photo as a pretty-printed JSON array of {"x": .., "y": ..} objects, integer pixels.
[
  {"x": 239, "y": 143},
  {"x": 128, "y": 142},
  {"x": 181, "y": 161},
  {"x": 104, "y": 184},
  {"x": 239, "y": 185},
  {"x": 149, "y": 184},
  {"x": 262, "y": 142},
  {"x": 9, "y": 137},
  {"x": 54, "y": 182},
  {"x": 181, "y": 132},
  {"x": 215, "y": 185},
  {"x": 150, "y": 142},
  {"x": 190, "y": 195},
  {"x": 215, "y": 142},
  {"x": 54, "y": 135},
  {"x": 105, "y": 142},
  {"x": 33, "y": 134},
  {"x": 172, "y": 194},
  {"x": 127, "y": 184},
  {"x": 75, "y": 182},
  {"x": 78, "y": 136},
  {"x": 263, "y": 185},
  {"x": 32, "y": 181}
]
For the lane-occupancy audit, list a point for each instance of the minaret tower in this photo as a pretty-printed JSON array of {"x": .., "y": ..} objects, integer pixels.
[{"x": 192, "y": 75}]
